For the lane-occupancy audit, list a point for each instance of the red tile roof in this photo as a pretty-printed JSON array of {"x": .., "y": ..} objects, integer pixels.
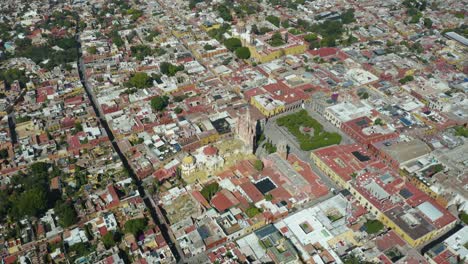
[
  {"x": 388, "y": 240},
  {"x": 342, "y": 161},
  {"x": 252, "y": 192},
  {"x": 224, "y": 200},
  {"x": 210, "y": 151},
  {"x": 199, "y": 197}
]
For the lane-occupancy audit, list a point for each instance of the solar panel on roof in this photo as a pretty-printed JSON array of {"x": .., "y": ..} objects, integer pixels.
[
  {"x": 265, "y": 231},
  {"x": 438, "y": 249},
  {"x": 362, "y": 122},
  {"x": 405, "y": 193},
  {"x": 204, "y": 231},
  {"x": 360, "y": 156},
  {"x": 265, "y": 186},
  {"x": 405, "y": 121}
]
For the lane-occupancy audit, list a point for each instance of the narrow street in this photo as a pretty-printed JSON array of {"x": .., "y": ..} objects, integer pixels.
[{"x": 152, "y": 207}]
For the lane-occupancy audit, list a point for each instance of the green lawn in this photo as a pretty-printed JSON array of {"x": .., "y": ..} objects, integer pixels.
[
  {"x": 320, "y": 138},
  {"x": 252, "y": 211},
  {"x": 464, "y": 218},
  {"x": 210, "y": 190},
  {"x": 373, "y": 226},
  {"x": 461, "y": 131}
]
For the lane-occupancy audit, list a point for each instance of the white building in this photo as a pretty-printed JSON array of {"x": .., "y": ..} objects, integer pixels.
[
  {"x": 75, "y": 236},
  {"x": 346, "y": 111}
]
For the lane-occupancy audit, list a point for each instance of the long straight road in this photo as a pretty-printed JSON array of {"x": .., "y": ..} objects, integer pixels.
[{"x": 152, "y": 207}]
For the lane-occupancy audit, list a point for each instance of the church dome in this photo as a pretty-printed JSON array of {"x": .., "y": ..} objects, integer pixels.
[
  {"x": 188, "y": 160},
  {"x": 210, "y": 151}
]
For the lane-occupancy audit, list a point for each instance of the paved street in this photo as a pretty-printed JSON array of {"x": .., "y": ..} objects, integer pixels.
[{"x": 154, "y": 210}]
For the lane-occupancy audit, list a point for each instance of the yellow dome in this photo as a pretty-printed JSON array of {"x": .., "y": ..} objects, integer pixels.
[{"x": 188, "y": 160}]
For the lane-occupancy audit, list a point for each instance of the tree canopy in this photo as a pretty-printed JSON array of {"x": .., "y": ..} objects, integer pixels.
[
  {"x": 210, "y": 190},
  {"x": 135, "y": 226},
  {"x": 159, "y": 103},
  {"x": 243, "y": 53},
  {"x": 29, "y": 193},
  {"x": 258, "y": 164},
  {"x": 224, "y": 12},
  {"x": 66, "y": 214},
  {"x": 232, "y": 43},
  {"x": 276, "y": 40},
  {"x": 140, "y": 80},
  {"x": 373, "y": 226},
  {"x": 310, "y": 37},
  {"x": 31, "y": 202},
  {"x": 170, "y": 69},
  {"x": 274, "y": 20},
  {"x": 13, "y": 74},
  {"x": 46, "y": 54},
  {"x": 347, "y": 16},
  {"x": 141, "y": 51},
  {"x": 116, "y": 39},
  {"x": 320, "y": 138}
]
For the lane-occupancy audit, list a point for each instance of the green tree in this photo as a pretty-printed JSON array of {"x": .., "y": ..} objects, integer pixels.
[
  {"x": 218, "y": 33},
  {"x": 252, "y": 211},
  {"x": 328, "y": 42},
  {"x": 88, "y": 232},
  {"x": 232, "y": 43},
  {"x": 78, "y": 127},
  {"x": 178, "y": 110},
  {"x": 210, "y": 190},
  {"x": 4, "y": 204},
  {"x": 66, "y": 214},
  {"x": 363, "y": 95},
  {"x": 116, "y": 39},
  {"x": 427, "y": 22},
  {"x": 378, "y": 122},
  {"x": 140, "y": 80},
  {"x": 209, "y": 47},
  {"x": 464, "y": 217},
  {"x": 3, "y": 153},
  {"x": 460, "y": 15},
  {"x": 373, "y": 226},
  {"x": 151, "y": 35},
  {"x": 354, "y": 259},
  {"x": 180, "y": 98},
  {"x": 276, "y": 39},
  {"x": 320, "y": 138},
  {"x": 258, "y": 165},
  {"x": 134, "y": 13},
  {"x": 159, "y": 103},
  {"x": 264, "y": 30},
  {"x": 416, "y": 17},
  {"x": 406, "y": 79},
  {"x": 170, "y": 69},
  {"x": 141, "y": 51},
  {"x": 225, "y": 13},
  {"x": 274, "y": 20},
  {"x": 461, "y": 131},
  {"x": 29, "y": 203},
  {"x": 135, "y": 226},
  {"x": 347, "y": 16},
  {"x": 243, "y": 53},
  {"x": 11, "y": 75},
  {"x": 310, "y": 37},
  {"x": 108, "y": 240},
  {"x": 254, "y": 29}
]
